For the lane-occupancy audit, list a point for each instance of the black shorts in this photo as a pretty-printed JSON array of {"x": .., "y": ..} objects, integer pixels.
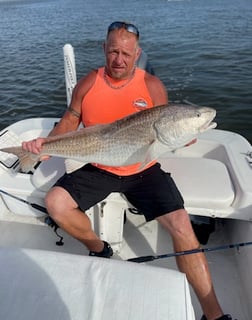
[{"x": 152, "y": 191}]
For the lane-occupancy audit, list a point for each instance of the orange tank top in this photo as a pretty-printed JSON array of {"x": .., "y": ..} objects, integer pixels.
[{"x": 103, "y": 104}]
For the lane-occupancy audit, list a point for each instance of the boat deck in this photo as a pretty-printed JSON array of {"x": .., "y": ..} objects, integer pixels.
[{"x": 150, "y": 239}]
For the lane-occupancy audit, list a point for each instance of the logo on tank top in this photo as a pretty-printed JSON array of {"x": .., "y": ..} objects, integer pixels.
[{"x": 140, "y": 104}]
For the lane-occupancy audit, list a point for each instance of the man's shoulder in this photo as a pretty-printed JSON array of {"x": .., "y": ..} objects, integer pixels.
[
  {"x": 150, "y": 77},
  {"x": 156, "y": 89},
  {"x": 152, "y": 80},
  {"x": 86, "y": 83},
  {"x": 91, "y": 76}
]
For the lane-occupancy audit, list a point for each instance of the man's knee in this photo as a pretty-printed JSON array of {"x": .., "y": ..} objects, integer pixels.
[
  {"x": 51, "y": 198},
  {"x": 177, "y": 222},
  {"x": 58, "y": 200}
]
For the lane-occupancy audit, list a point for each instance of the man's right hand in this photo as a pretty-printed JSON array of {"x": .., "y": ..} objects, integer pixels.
[{"x": 35, "y": 146}]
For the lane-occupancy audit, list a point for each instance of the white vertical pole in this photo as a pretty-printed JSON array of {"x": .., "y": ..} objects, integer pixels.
[{"x": 70, "y": 70}]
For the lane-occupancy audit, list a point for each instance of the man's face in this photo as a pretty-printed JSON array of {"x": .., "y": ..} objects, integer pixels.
[{"x": 121, "y": 52}]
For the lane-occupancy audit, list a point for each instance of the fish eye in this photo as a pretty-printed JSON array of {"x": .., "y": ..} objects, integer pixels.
[{"x": 198, "y": 114}]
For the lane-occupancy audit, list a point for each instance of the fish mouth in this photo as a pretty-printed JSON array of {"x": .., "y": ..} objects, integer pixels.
[
  {"x": 209, "y": 125},
  {"x": 210, "y": 114}
]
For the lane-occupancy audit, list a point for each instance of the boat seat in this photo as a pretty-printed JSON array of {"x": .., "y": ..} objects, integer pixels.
[
  {"x": 47, "y": 173},
  {"x": 204, "y": 183},
  {"x": 143, "y": 63},
  {"x": 37, "y": 284}
]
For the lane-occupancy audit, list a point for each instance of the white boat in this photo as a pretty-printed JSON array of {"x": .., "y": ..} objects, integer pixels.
[{"x": 40, "y": 279}]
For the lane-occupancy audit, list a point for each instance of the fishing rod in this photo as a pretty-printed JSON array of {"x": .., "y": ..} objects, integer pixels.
[
  {"x": 51, "y": 223},
  {"x": 187, "y": 252},
  {"x": 48, "y": 219},
  {"x": 33, "y": 205}
]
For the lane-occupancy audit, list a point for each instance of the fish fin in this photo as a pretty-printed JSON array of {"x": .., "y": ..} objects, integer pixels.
[
  {"x": 26, "y": 158},
  {"x": 73, "y": 165},
  {"x": 155, "y": 150}
]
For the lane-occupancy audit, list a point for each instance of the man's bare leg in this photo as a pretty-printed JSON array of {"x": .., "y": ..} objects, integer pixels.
[
  {"x": 64, "y": 211},
  {"x": 195, "y": 266}
]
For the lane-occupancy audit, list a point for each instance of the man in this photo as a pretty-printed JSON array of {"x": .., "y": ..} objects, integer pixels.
[{"x": 104, "y": 95}]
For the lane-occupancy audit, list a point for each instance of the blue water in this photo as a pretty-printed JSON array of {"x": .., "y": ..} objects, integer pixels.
[{"x": 201, "y": 50}]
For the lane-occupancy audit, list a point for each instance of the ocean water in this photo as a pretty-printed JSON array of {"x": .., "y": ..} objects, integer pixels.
[{"x": 200, "y": 49}]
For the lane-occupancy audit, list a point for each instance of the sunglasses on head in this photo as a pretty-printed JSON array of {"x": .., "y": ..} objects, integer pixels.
[{"x": 127, "y": 26}]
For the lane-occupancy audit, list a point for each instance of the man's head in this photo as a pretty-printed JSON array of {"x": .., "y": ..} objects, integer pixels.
[{"x": 121, "y": 49}]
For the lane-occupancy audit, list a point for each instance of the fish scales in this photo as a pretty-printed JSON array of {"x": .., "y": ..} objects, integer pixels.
[
  {"x": 100, "y": 142},
  {"x": 140, "y": 137}
]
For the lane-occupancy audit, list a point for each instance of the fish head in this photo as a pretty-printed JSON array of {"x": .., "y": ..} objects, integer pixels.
[
  {"x": 196, "y": 119},
  {"x": 179, "y": 124}
]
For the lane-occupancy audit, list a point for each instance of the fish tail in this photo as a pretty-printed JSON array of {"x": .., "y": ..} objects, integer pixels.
[{"x": 26, "y": 158}]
